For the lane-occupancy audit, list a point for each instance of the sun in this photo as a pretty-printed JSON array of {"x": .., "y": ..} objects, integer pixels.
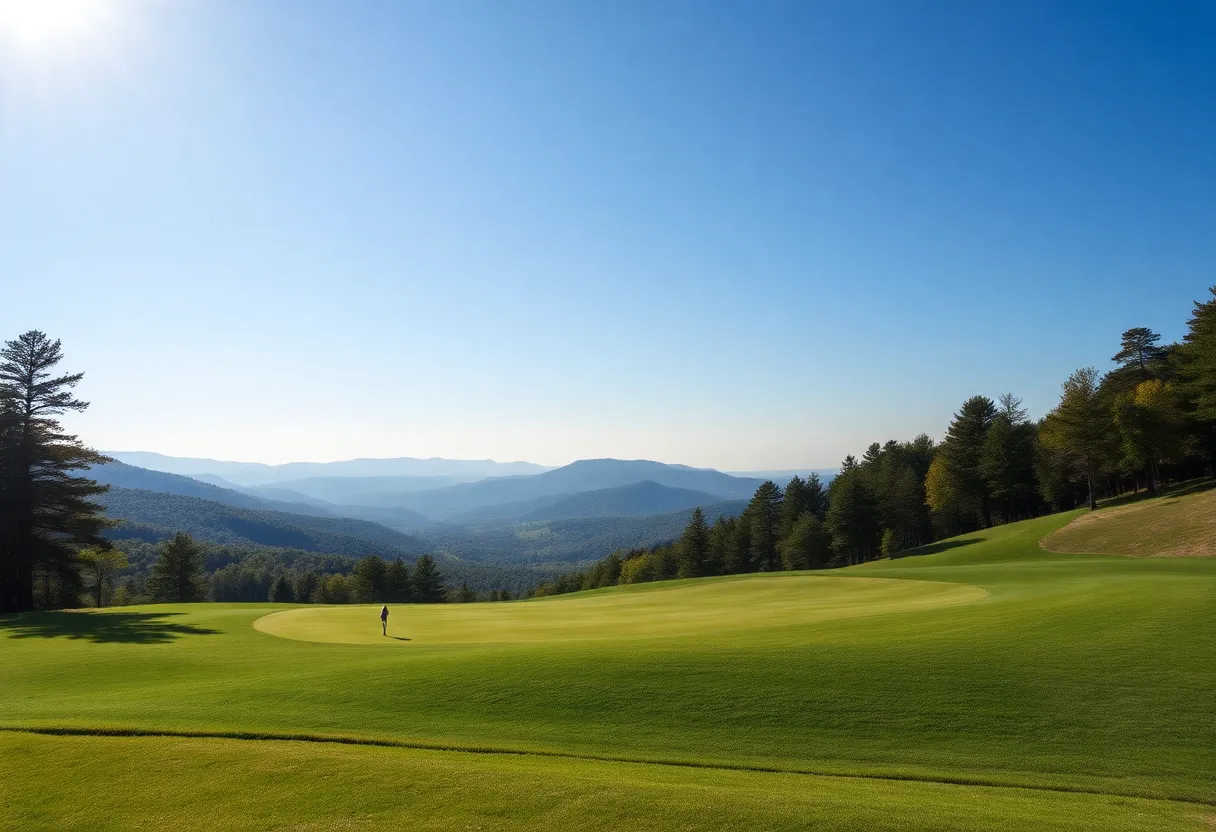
[{"x": 39, "y": 27}]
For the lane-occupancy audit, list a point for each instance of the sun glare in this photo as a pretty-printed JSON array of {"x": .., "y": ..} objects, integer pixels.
[{"x": 38, "y": 27}]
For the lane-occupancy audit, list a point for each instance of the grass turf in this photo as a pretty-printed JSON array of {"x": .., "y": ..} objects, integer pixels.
[
  {"x": 1058, "y": 672},
  {"x": 1182, "y": 523},
  {"x": 196, "y": 784}
]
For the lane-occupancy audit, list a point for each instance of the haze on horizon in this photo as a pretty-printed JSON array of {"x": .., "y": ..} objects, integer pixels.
[{"x": 725, "y": 236}]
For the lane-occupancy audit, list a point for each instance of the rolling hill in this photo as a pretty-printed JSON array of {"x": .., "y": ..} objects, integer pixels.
[
  {"x": 992, "y": 685},
  {"x": 122, "y": 475},
  {"x": 256, "y": 473},
  {"x": 581, "y": 476},
  {"x": 640, "y": 499},
  {"x": 154, "y": 515}
]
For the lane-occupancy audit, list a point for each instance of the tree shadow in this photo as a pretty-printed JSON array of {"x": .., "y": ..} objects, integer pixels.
[
  {"x": 1168, "y": 494},
  {"x": 121, "y": 627},
  {"x": 936, "y": 548}
]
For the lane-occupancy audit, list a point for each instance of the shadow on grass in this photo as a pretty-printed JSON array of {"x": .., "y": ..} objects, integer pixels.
[
  {"x": 1167, "y": 495},
  {"x": 400, "y": 638},
  {"x": 122, "y": 627},
  {"x": 937, "y": 548}
]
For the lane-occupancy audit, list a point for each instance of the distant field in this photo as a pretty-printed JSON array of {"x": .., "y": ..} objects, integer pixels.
[
  {"x": 993, "y": 685},
  {"x": 1182, "y": 524}
]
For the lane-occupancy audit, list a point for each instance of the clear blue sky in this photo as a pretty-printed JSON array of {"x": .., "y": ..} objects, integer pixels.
[{"x": 737, "y": 235}]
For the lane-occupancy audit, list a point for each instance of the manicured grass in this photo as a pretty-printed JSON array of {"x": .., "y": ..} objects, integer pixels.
[
  {"x": 1179, "y": 524},
  {"x": 208, "y": 784},
  {"x": 1012, "y": 666},
  {"x": 670, "y": 608}
]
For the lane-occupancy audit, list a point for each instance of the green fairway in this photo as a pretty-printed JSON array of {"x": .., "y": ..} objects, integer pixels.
[
  {"x": 670, "y": 608},
  {"x": 991, "y": 662},
  {"x": 238, "y": 785}
]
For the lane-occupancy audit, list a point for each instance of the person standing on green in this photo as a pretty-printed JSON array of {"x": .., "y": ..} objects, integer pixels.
[{"x": 384, "y": 619}]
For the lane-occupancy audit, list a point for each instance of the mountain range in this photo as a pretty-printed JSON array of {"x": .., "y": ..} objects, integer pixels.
[{"x": 577, "y": 512}]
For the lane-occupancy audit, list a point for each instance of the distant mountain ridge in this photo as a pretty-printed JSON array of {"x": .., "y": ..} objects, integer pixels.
[
  {"x": 257, "y": 473},
  {"x": 640, "y": 499},
  {"x": 580, "y": 476}
]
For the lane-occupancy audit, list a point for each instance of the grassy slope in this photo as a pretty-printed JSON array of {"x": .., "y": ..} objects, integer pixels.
[
  {"x": 1073, "y": 673},
  {"x": 247, "y": 786},
  {"x": 1179, "y": 524}
]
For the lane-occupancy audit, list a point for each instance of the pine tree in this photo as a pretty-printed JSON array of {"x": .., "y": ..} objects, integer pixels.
[
  {"x": 368, "y": 580},
  {"x": 962, "y": 451},
  {"x": 815, "y": 497},
  {"x": 281, "y": 591},
  {"x": 692, "y": 552},
  {"x": 853, "y": 519},
  {"x": 46, "y": 510},
  {"x": 1080, "y": 428},
  {"x": 1139, "y": 350},
  {"x": 764, "y": 513},
  {"x": 428, "y": 582},
  {"x": 1007, "y": 459},
  {"x": 793, "y": 505},
  {"x": 808, "y": 544},
  {"x": 397, "y": 588},
  {"x": 1197, "y": 372},
  {"x": 721, "y": 546},
  {"x": 177, "y": 575},
  {"x": 464, "y": 595}
]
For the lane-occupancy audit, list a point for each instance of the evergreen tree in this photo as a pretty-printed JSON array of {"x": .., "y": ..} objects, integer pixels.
[
  {"x": 1007, "y": 459},
  {"x": 793, "y": 505},
  {"x": 692, "y": 552},
  {"x": 464, "y": 595},
  {"x": 46, "y": 510},
  {"x": 815, "y": 497},
  {"x": 962, "y": 451},
  {"x": 739, "y": 553},
  {"x": 428, "y": 582},
  {"x": 397, "y": 588},
  {"x": 1080, "y": 429},
  {"x": 1197, "y": 372},
  {"x": 808, "y": 545},
  {"x": 281, "y": 591},
  {"x": 1139, "y": 350},
  {"x": 368, "y": 580},
  {"x": 853, "y": 518},
  {"x": 764, "y": 514},
  {"x": 177, "y": 575},
  {"x": 722, "y": 546}
]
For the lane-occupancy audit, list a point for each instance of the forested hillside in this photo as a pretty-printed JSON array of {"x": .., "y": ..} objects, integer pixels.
[{"x": 152, "y": 515}]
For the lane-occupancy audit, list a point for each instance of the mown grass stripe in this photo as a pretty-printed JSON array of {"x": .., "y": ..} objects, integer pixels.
[{"x": 259, "y": 736}]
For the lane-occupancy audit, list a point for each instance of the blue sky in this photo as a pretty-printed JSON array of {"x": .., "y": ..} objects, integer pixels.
[{"x": 739, "y": 235}]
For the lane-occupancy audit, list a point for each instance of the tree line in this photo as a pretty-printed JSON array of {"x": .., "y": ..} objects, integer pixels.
[
  {"x": 179, "y": 575},
  {"x": 54, "y": 548},
  {"x": 1150, "y": 420}
]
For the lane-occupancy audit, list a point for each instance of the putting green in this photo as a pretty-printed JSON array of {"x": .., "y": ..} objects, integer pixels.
[{"x": 670, "y": 609}]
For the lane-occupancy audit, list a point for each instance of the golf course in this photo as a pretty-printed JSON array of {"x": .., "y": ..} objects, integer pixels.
[{"x": 981, "y": 683}]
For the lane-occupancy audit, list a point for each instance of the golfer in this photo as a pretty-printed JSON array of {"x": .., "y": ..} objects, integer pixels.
[{"x": 384, "y": 619}]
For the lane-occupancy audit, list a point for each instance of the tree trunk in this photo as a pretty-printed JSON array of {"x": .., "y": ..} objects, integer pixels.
[{"x": 1093, "y": 498}]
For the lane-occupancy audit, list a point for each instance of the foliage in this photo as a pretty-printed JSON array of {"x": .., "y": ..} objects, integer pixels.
[
  {"x": 177, "y": 574},
  {"x": 47, "y": 511}
]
